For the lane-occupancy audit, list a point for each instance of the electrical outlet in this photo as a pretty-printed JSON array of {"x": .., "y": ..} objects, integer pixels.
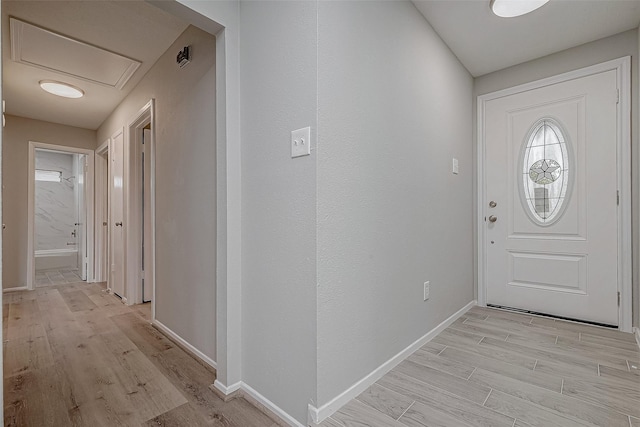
[{"x": 426, "y": 290}]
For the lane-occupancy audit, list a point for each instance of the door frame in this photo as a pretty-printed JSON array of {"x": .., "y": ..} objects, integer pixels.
[
  {"x": 31, "y": 264},
  {"x": 133, "y": 188},
  {"x": 102, "y": 197},
  {"x": 622, "y": 66}
]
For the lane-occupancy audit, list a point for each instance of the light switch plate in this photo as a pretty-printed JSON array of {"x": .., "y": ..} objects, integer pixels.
[
  {"x": 301, "y": 142},
  {"x": 454, "y": 169}
]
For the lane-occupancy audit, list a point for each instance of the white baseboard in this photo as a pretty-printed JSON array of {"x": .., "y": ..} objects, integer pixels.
[
  {"x": 227, "y": 390},
  {"x": 184, "y": 343},
  {"x": 284, "y": 416},
  {"x": 317, "y": 415},
  {"x": 247, "y": 391},
  {"x": 20, "y": 288},
  {"x": 637, "y": 334}
]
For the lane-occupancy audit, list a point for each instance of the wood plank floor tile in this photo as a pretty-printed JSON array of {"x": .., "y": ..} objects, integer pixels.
[
  {"x": 496, "y": 353},
  {"x": 419, "y": 415},
  {"x": 562, "y": 405},
  {"x": 386, "y": 401},
  {"x": 501, "y": 314},
  {"x": 598, "y": 351},
  {"x": 527, "y": 412},
  {"x": 585, "y": 329},
  {"x": 443, "y": 381},
  {"x": 632, "y": 376},
  {"x": 609, "y": 342},
  {"x": 462, "y": 409},
  {"x": 573, "y": 350},
  {"x": 356, "y": 413},
  {"x": 433, "y": 347},
  {"x": 330, "y": 422},
  {"x": 550, "y": 382},
  {"x": 623, "y": 397},
  {"x": 481, "y": 330},
  {"x": 443, "y": 364},
  {"x": 539, "y": 353},
  {"x": 537, "y": 332}
]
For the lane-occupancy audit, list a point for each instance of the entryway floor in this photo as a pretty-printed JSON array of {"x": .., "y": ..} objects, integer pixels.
[
  {"x": 494, "y": 368},
  {"x": 75, "y": 355},
  {"x": 57, "y": 277}
]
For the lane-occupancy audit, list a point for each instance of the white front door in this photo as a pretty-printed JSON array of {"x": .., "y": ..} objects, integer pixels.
[
  {"x": 551, "y": 238},
  {"x": 117, "y": 215}
]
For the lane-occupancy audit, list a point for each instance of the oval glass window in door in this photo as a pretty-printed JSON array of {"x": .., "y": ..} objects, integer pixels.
[{"x": 546, "y": 171}]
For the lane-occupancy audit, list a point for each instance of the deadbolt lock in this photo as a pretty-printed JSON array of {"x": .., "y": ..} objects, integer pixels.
[{"x": 492, "y": 204}]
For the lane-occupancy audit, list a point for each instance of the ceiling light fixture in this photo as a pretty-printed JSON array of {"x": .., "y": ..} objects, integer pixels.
[
  {"x": 61, "y": 89},
  {"x": 513, "y": 8}
]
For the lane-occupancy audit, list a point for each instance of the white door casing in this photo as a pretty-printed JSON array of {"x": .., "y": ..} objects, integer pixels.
[
  {"x": 574, "y": 265},
  {"x": 147, "y": 239},
  {"x": 117, "y": 270},
  {"x": 89, "y": 206}
]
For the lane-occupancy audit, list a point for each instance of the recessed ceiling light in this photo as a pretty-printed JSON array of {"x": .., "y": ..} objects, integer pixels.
[
  {"x": 61, "y": 89},
  {"x": 512, "y": 8}
]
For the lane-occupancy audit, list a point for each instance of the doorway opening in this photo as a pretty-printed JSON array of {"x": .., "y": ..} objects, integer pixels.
[
  {"x": 141, "y": 234},
  {"x": 60, "y": 212}
]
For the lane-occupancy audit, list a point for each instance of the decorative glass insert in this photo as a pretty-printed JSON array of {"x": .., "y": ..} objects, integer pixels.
[{"x": 545, "y": 171}]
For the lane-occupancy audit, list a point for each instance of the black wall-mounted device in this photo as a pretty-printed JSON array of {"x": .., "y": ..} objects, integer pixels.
[{"x": 184, "y": 56}]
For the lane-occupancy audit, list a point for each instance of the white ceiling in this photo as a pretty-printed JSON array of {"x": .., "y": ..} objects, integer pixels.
[
  {"x": 134, "y": 29},
  {"x": 484, "y": 42}
]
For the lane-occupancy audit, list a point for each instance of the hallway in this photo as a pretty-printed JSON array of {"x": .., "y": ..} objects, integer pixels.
[{"x": 75, "y": 355}]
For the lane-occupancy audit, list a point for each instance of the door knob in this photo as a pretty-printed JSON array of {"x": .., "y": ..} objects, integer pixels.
[
  {"x": 493, "y": 218},
  {"x": 119, "y": 224}
]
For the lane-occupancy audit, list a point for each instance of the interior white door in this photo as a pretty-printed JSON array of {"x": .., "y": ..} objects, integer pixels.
[
  {"x": 117, "y": 215},
  {"x": 551, "y": 209},
  {"x": 147, "y": 241}
]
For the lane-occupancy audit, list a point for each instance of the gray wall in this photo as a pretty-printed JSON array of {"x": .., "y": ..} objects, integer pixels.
[
  {"x": 623, "y": 44},
  {"x": 15, "y": 167},
  {"x": 394, "y": 109},
  {"x": 278, "y": 95},
  {"x": 185, "y": 185}
]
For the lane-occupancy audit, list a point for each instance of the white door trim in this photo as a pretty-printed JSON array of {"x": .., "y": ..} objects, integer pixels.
[
  {"x": 31, "y": 265},
  {"x": 133, "y": 188},
  {"x": 102, "y": 183},
  {"x": 622, "y": 66}
]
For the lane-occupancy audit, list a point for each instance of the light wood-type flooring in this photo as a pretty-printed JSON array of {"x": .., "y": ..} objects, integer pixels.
[
  {"x": 76, "y": 356},
  {"x": 61, "y": 276},
  {"x": 493, "y": 368}
]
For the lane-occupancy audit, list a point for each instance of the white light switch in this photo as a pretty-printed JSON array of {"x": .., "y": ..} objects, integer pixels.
[
  {"x": 455, "y": 166},
  {"x": 301, "y": 142}
]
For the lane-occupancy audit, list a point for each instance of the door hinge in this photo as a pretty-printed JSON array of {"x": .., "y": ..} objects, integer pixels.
[
  {"x": 618, "y": 197},
  {"x": 618, "y": 299},
  {"x": 617, "y": 96}
]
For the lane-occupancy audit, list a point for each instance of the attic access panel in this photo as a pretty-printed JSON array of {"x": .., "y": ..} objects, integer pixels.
[{"x": 41, "y": 48}]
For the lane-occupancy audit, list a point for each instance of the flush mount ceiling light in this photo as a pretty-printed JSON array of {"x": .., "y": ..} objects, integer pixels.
[
  {"x": 61, "y": 89},
  {"x": 513, "y": 8}
]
